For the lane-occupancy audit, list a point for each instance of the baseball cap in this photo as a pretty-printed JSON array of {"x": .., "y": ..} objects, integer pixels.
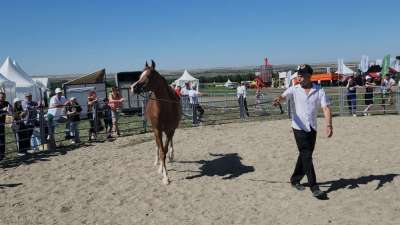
[
  {"x": 305, "y": 70},
  {"x": 58, "y": 90}
]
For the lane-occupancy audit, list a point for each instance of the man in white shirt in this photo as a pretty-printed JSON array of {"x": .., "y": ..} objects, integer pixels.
[
  {"x": 307, "y": 98},
  {"x": 198, "y": 111},
  {"x": 241, "y": 95},
  {"x": 56, "y": 111}
]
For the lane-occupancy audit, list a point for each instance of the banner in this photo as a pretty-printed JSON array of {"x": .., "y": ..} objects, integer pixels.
[{"x": 385, "y": 65}]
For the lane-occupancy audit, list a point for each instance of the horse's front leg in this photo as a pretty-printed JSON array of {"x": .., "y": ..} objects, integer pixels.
[
  {"x": 157, "y": 161},
  {"x": 171, "y": 153},
  {"x": 158, "y": 136}
]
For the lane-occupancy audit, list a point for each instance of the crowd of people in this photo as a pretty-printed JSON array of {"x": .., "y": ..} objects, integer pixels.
[
  {"x": 27, "y": 127},
  {"x": 385, "y": 87}
]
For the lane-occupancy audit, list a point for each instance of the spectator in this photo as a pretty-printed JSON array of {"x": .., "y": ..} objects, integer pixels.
[
  {"x": 30, "y": 108},
  {"x": 73, "y": 111},
  {"x": 351, "y": 95},
  {"x": 178, "y": 90},
  {"x": 5, "y": 109},
  {"x": 21, "y": 131},
  {"x": 55, "y": 113},
  {"x": 241, "y": 95},
  {"x": 93, "y": 116},
  {"x": 115, "y": 101},
  {"x": 387, "y": 85},
  {"x": 107, "y": 118},
  {"x": 369, "y": 94},
  {"x": 194, "y": 94}
]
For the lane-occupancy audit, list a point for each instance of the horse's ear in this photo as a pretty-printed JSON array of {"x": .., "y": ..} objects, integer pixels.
[
  {"x": 153, "y": 65},
  {"x": 146, "y": 65}
]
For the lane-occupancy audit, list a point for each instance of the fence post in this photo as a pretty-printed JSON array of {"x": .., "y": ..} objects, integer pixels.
[
  {"x": 144, "y": 119},
  {"x": 397, "y": 92},
  {"x": 241, "y": 107},
  {"x": 194, "y": 114},
  {"x": 341, "y": 101},
  {"x": 95, "y": 119}
]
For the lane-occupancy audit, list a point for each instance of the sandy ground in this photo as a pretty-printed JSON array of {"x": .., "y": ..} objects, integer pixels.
[{"x": 224, "y": 174}]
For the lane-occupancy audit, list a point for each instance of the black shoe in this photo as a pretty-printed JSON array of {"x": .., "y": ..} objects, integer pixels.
[
  {"x": 298, "y": 186},
  {"x": 320, "y": 194}
]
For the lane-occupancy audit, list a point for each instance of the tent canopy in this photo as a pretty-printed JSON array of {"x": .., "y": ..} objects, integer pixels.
[
  {"x": 187, "y": 78},
  {"x": 230, "y": 84},
  {"x": 93, "y": 78},
  {"x": 23, "y": 82},
  {"x": 12, "y": 71}
]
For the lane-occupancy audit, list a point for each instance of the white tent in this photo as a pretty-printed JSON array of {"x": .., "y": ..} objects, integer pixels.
[
  {"x": 8, "y": 87},
  {"x": 24, "y": 83},
  {"x": 187, "y": 78},
  {"x": 230, "y": 84},
  {"x": 343, "y": 69}
]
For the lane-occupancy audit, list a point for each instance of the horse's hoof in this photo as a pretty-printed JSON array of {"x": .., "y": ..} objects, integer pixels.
[{"x": 165, "y": 180}]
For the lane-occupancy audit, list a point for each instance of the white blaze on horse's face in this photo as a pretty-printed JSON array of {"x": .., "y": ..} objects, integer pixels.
[
  {"x": 144, "y": 78},
  {"x": 142, "y": 82}
]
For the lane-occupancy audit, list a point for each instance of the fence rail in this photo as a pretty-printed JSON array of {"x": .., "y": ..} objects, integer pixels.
[{"x": 213, "y": 108}]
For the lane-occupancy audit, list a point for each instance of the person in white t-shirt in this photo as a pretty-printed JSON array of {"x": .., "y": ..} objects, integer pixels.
[
  {"x": 56, "y": 112},
  {"x": 241, "y": 95},
  {"x": 307, "y": 98},
  {"x": 194, "y": 94}
]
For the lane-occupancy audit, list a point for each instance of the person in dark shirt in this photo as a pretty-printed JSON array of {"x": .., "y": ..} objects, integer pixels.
[
  {"x": 21, "y": 130},
  {"x": 107, "y": 117},
  {"x": 5, "y": 108},
  {"x": 73, "y": 110}
]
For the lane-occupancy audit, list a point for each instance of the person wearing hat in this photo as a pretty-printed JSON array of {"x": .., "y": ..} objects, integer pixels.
[
  {"x": 307, "y": 98},
  {"x": 56, "y": 111},
  {"x": 31, "y": 121},
  {"x": 5, "y": 109},
  {"x": 241, "y": 95},
  {"x": 73, "y": 111},
  {"x": 352, "y": 95},
  {"x": 21, "y": 131}
]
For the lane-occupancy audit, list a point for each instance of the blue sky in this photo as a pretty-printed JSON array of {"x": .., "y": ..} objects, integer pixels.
[{"x": 61, "y": 37}]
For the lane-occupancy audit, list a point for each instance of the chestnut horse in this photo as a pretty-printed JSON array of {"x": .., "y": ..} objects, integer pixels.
[{"x": 163, "y": 110}]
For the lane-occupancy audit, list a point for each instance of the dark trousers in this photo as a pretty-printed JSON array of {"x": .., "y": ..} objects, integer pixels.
[
  {"x": 244, "y": 104},
  {"x": 305, "y": 142},
  {"x": 352, "y": 102}
]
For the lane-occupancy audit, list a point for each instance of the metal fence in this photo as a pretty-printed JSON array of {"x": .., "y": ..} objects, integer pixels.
[{"x": 212, "y": 108}]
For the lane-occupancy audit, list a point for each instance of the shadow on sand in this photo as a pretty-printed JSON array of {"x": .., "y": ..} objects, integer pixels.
[
  {"x": 39, "y": 156},
  {"x": 2, "y": 186},
  {"x": 355, "y": 182},
  {"x": 227, "y": 166}
]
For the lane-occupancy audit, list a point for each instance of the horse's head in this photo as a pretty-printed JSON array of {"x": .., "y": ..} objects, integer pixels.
[{"x": 148, "y": 79}]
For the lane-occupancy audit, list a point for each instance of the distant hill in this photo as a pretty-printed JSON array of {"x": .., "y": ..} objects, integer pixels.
[{"x": 212, "y": 72}]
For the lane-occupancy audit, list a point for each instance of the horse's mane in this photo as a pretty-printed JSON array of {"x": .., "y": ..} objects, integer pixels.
[{"x": 171, "y": 92}]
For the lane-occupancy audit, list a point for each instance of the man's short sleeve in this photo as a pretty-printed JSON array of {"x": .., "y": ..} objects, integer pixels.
[
  {"x": 324, "y": 100},
  {"x": 52, "y": 101},
  {"x": 288, "y": 93}
]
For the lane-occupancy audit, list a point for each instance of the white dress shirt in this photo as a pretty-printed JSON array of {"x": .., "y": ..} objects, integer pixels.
[{"x": 305, "y": 109}]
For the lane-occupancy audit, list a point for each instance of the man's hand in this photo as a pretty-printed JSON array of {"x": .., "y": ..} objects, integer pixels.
[{"x": 329, "y": 131}]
